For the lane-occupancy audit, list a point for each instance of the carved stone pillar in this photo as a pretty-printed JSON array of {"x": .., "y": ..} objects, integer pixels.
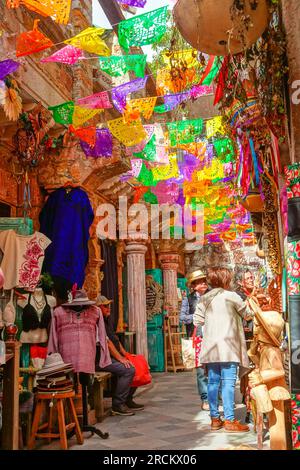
[
  {"x": 136, "y": 282},
  {"x": 169, "y": 263}
]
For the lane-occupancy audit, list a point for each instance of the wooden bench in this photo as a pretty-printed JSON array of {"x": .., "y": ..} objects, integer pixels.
[{"x": 100, "y": 381}]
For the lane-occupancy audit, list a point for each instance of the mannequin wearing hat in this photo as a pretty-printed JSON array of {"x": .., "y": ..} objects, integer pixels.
[{"x": 267, "y": 381}]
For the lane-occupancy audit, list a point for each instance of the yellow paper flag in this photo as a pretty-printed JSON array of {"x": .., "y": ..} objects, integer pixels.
[
  {"x": 139, "y": 107},
  {"x": 81, "y": 115},
  {"x": 186, "y": 58},
  {"x": 90, "y": 40},
  {"x": 215, "y": 126},
  {"x": 166, "y": 172},
  {"x": 128, "y": 135}
]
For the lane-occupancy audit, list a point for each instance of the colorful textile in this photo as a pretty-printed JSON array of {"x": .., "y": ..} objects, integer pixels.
[
  {"x": 139, "y": 107},
  {"x": 63, "y": 113},
  {"x": 28, "y": 253},
  {"x": 90, "y": 40},
  {"x": 171, "y": 102},
  {"x": 82, "y": 115},
  {"x": 119, "y": 93},
  {"x": 87, "y": 134},
  {"x": 215, "y": 126},
  {"x": 165, "y": 172},
  {"x": 295, "y": 403},
  {"x": 66, "y": 219},
  {"x": 224, "y": 149},
  {"x": 67, "y": 55},
  {"x": 59, "y": 10},
  {"x": 103, "y": 146},
  {"x": 133, "y": 3},
  {"x": 116, "y": 66},
  {"x": 293, "y": 268},
  {"x": 143, "y": 29},
  {"x": 129, "y": 135},
  {"x": 95, "y": 101},
  {"x": 32, "y": 41},
  {"x": 184, "y": 132},
  {"x": 7, "y": 67}
]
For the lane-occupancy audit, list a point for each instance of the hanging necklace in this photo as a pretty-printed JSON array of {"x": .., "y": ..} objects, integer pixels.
[{"x": 39, "y": 304}]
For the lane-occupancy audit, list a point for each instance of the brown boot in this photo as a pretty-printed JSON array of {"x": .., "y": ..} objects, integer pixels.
[
  {"x": 216, "y": 424},
  {"x": 235, "y": 426}
]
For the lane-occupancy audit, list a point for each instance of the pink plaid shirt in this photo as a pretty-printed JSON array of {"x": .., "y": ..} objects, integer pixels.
[{"x": 74, "y": 337}]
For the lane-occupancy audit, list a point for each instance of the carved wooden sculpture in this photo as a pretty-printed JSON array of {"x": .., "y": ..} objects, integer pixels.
[{"x": 268, "y": 379}]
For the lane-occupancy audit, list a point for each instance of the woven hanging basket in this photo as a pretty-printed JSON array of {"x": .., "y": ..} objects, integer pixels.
[{"x": 210, "y": 27}]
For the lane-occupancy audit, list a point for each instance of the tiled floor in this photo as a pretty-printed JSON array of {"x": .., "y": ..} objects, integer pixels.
[{"x": 172, "y": 420}]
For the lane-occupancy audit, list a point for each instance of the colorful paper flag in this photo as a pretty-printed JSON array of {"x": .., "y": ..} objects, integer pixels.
[
  {"x": 103, "y": 145},
  {"x": 87, "y": 134},
  {"x": 63, "y": 113},
  {"x": 166, "y": 172},
  {"x": 95, "y": 101},
  {"x": 133, "y": 3},
  {"x": 119, "y": 93},
  {"x": 215, "y": 126},
  {"x": 143, "y": 29},
  {"x": 67, "y": 55},
  {"x": 81, "y": 115},
  {"x": 59, "y": 10},
  {"x": 32, "y": 41},
  {"x": 186, "y": 58},
  {"x": 90, "y": 40},
  {"x": 184, "y": 132},
  {"x": 212, "y": 69},
  {"x": 116, "y": 66},
  {"x": 139, "y": 107},
  {"x": 171, "y": 102},
  {"x": 7, "y": 67},
  {"x": 128, "y": 135}
]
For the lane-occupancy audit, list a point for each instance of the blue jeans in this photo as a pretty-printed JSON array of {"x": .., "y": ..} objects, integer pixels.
[
  {"x": 202, "y": 383},
  {"x": 224, "y": 373}
]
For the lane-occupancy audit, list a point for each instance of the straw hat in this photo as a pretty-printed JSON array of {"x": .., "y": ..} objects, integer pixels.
[
  {"x": 102, "y": 300},
  {"x": 54, "y": 363},
  {"x": 194, "y": 276},
  {"x": 78, "y": 297}
]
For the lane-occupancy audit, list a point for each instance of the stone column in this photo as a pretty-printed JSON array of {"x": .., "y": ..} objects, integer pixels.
[
  {"x": 169, "y": 263},
  {"x": 291, "y": 19},
  {"x": 136, "y": 282}
]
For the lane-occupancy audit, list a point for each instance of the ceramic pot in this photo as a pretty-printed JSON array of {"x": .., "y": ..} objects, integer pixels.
[{"x": 205, "y": 24}]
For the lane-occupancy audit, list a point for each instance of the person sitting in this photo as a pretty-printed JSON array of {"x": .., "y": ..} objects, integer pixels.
[{"x": 121, "y": 368}]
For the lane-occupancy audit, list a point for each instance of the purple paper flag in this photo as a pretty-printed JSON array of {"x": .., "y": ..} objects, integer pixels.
[
  {"x": 201, "y": 90},
  {"x": 171, "y": 101},
  {"x": 133, "y": 3},
  {"x": 8, "y": 66},
  {"x": 119, "y": 93},
  {"x": 103, "y": 146}
]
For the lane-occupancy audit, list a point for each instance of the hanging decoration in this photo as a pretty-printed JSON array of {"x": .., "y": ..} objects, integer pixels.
[
  {"x": 171, "y": 102},
  {"x": 146, "y": 176},
  {"x": 139, "y": 107},
  {"x": 67, "y": 55},
  {"x": 103, "y": 146},
  {"x": 200, "y": 90},
  {"x": 10, "y": 99},
  {"x": 59, "y": 10},
  {"x": 143, "y": 29},
  {"x": 32, "y": 41},
  {"x": 119, "y": 93},
  {"x": 133, "y": 3},
  {"x": 215, "y": 126},
  {"x": 212, "y": 69},
  {"x": 86, "y": 134},
  {"x": 150, "y": 198},
  {"x": 149, "y": 129},
  {"x": 82, "y": 115},
  {"x": 63, "y": 113},
  {"x": 7, "y": 67},
  {"x": 165, "y": 172},
  {"x": 95, "y": 101},
  {"x": 90, "y": 40},
  {"x": 169, "y": 82},
  {"x": 128, "y": 135},
  {"x": 167, "y": 192},
  {"x": 149, "y": 151},
  {"x": 224, "y": 149},
  {"x": 116, "y": 66},
  {"x": 136, "y": 166},
  {"x": 184, "y": 132},
  {"x": 199, "y": 149},
  {"x": 182, "y": 59}
]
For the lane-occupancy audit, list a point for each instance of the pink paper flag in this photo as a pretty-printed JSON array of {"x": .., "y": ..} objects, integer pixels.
[
  {"x": 67, "y": 55},
  {"x": 96, "y": 101}
]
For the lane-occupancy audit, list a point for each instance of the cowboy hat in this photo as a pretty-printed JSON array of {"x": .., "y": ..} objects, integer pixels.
[
  {"x": 102, "y": 300},
  {"x": 195, "y": 276},
  {"x": 271, "y": 321},
  {"x": 54, "y": 363},
  {"x": 78, "y": 297}
]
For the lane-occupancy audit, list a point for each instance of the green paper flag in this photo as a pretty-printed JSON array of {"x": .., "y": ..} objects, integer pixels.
[
  {"x": 149, "y": 151},
  {"x": 224, "y": 149},
  {"x": 143, "y": 29},
  {"x": 146, "y": 177},
  {"x": 150, "y": 198},
  {"x": 116, "y": 66},
  {"x": 63, "y": 113},
  {"x": 184, "y": 132}
]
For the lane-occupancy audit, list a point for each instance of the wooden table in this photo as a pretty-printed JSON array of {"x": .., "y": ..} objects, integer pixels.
[{"x": 10, "y": 412}]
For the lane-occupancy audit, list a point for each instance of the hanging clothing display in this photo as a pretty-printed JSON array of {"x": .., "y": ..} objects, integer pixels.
[
  {"x": 74, "y": 335},
  {"x": 66, "y": 219},
  {"x": 32, "y": 320},
  {"x": 23, "y": 257}
]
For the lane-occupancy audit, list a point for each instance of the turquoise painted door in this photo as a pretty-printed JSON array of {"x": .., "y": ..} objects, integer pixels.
[{"x": 156, "y": 356}]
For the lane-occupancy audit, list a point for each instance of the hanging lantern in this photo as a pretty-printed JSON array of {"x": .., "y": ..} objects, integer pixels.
[{"x": 236, "y": 24}]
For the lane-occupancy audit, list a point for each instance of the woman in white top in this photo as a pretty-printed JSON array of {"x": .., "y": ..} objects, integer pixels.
[{"x": 224, "y": 347}]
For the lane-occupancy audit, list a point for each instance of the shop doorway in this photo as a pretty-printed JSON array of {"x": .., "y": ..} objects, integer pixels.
[{"x": 109, "y": 285}]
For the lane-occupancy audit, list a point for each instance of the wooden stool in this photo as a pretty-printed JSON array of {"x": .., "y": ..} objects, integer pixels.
[
  {"x": 59, "y": 398},
  {"x": 100, "y": 380}
]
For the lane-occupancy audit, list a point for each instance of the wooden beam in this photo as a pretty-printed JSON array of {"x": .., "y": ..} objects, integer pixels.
[{"x": 115, "y": 15}]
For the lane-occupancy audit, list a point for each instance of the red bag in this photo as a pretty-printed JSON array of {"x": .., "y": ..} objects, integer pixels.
[
  {"x": 197, "y": 341},
  {"x": 142, "y": 371}
]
